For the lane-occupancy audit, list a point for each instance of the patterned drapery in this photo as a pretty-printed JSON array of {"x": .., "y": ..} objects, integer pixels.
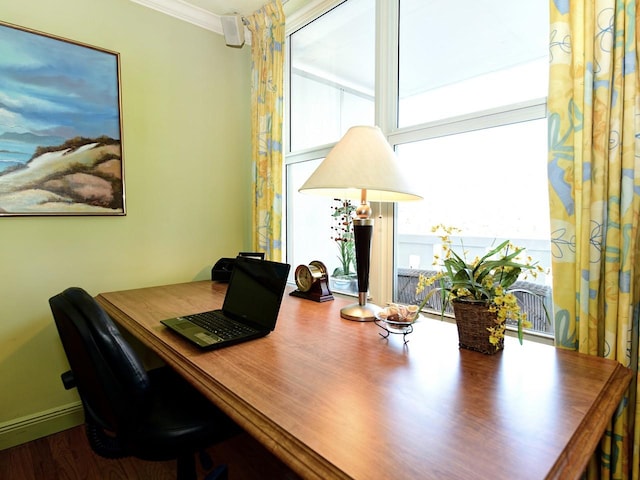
[
  {"x": 594, "y": 185},
  {"x": 267, "y": 27}
]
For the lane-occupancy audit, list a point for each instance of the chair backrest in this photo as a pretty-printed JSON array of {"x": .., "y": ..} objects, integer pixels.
[{"x": 109, "y": 376}]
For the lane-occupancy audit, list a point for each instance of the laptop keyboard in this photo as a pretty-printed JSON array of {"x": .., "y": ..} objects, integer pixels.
[{"x": 222, "y": 326}]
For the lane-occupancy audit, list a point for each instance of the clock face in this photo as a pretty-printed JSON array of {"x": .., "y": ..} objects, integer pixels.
[{"x": 304, "y": 278}]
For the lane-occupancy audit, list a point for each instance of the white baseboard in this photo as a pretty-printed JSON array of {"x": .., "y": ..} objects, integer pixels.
[{"x": 41, "y": 424}]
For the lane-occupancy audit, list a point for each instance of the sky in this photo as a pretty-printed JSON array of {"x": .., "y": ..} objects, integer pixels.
[{"x": 52, "y": 87}]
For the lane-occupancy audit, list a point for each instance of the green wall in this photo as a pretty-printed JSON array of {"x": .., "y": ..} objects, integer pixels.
[{"x": 186, "y": 146}]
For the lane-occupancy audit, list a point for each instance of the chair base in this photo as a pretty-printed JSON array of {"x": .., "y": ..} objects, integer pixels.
[
  {"x": 221, "y": 472},
  {"x": 186, "y": 468}
]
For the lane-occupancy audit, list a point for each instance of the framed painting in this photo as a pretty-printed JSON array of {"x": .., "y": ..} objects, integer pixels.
[{"x": 60, "y": 126}]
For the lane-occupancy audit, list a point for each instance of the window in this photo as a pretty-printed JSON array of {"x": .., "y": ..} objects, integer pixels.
[
  {"x": 474, "y": 181},
  {"x": 332, "y": 76},
  {"x": 464, "y": 57},
  {"x": 467, "y": 120}
]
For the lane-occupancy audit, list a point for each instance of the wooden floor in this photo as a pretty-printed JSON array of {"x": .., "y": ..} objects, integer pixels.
[{"x": 67, "y": 456}]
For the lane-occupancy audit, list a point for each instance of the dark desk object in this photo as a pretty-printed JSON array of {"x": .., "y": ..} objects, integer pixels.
[
  {"x": 152, "y": 415},
  {"x": 221, "y": 271},
  {"x": 333, "y": 399}
]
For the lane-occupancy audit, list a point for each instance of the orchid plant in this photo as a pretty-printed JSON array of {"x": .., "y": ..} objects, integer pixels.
[
  {"x": 485, "y": 279},
  {"x": 343, "y": 236}
]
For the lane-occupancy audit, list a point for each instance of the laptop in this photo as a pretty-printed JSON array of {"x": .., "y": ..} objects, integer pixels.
[{"x": 250, "y": 308}]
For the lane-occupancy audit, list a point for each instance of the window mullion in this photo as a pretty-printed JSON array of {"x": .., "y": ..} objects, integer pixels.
[
  {"x": 386, "y": 90},
  {"x": 386, "y": 115}
]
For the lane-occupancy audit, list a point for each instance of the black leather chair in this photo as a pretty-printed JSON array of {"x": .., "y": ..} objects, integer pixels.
[{"x": 152, "y": 415}]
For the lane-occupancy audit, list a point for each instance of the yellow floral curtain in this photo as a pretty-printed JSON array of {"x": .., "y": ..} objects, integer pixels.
[
  {"x": 267, "y": 27},
  {"x": 594, "y": 184}
]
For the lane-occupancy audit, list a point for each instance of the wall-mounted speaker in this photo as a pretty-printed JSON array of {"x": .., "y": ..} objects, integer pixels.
[{"x": 233, "y": 29}]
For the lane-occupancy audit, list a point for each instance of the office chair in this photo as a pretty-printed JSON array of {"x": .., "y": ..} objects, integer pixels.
[{"x": 151, "y": 415}]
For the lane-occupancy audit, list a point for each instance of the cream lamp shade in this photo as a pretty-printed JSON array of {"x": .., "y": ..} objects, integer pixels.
[{"x": 361, "y": 160}]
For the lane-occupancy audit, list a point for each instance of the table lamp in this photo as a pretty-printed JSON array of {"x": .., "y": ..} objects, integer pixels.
[{"x": 361, "y": 166}]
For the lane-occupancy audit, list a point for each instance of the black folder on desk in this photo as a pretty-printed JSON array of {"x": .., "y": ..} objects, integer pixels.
[{"x": 250, "y": 308}]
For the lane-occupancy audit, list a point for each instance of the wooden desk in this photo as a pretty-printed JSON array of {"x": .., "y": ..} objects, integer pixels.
[{"x": 333, "y": 399}]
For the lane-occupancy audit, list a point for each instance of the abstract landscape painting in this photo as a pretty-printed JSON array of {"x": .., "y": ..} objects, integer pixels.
[{"x": 60, "y": 127}]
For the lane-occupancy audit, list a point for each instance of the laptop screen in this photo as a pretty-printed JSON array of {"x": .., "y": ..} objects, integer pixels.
[{"x": 255, "y": 291}]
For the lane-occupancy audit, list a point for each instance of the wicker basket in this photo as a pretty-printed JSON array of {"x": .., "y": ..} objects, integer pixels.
[{"x": 472, "y": 319}]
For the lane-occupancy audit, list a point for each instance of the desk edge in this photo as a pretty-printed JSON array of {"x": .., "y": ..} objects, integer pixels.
[{"x": 575, "y": 458}]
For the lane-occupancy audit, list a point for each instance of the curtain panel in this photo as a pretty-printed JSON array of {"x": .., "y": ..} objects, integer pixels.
[
  {"x": 594, "y": 187},
  {"x": 267, "y": 27}
]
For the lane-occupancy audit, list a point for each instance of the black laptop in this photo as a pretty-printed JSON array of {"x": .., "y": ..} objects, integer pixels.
[{"x": 249, "y": 311}]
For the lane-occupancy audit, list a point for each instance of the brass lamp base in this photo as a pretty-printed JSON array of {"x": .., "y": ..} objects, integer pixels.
[{"x": 360, "y": 312}]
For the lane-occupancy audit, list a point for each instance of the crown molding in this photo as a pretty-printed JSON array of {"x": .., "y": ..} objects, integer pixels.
[
  {"x": 308, "y": 13},
  {"x": 187, "y": 12}
]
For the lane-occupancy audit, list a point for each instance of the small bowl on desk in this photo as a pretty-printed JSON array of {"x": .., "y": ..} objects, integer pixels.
[{"x": 398, "y": 317}]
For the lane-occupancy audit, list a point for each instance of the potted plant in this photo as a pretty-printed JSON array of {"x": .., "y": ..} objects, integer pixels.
[
  {"x": 479, "y": 291},
  {"x": 344, "y": 276}
]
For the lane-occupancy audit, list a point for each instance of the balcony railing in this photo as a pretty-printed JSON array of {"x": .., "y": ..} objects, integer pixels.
[{"x": 533, "y": 300}]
